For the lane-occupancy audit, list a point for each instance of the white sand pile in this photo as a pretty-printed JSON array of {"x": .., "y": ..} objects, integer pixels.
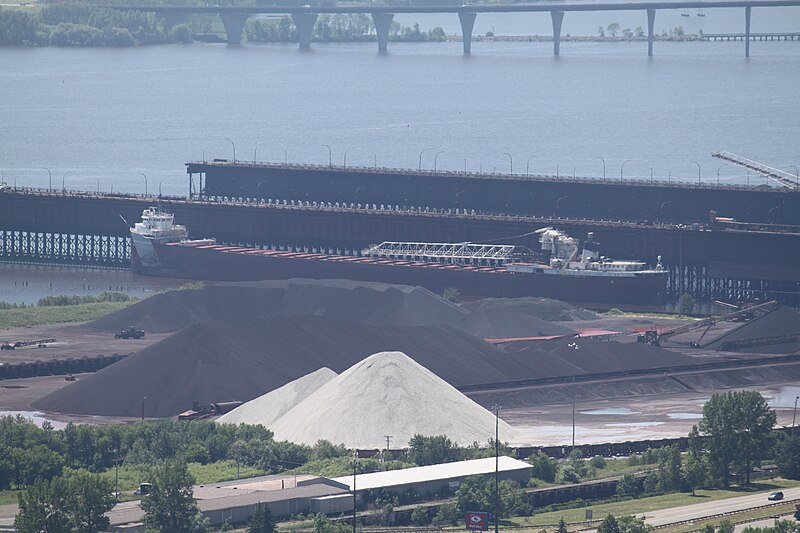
[
  {"x": 270, "y": 407},
  {"x": 387, "y": 393}
]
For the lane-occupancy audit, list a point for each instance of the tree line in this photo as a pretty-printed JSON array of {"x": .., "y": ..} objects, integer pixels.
[{"x": 87, "y": 25}]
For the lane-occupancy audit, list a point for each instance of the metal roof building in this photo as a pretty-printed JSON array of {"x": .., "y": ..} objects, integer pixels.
[{"x": 425, "y": 479}]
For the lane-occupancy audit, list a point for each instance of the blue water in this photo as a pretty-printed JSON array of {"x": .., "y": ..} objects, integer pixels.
[{"x": 100, "y": 118}]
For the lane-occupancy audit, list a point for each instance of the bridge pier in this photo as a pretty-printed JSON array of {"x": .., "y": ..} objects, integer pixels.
[
  {"x": 304, "y": 22},
  {"x": 651, "y": 19},
  {"x": 747, "y": 31},
  {"x": 467, "y": 20},
  {"x": 234, "y": 24},
  {"x": 558, "y": 18},
  {"x": 383, "y": 22}
]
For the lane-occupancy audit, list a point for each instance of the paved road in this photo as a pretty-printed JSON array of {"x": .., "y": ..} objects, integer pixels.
[{"x": 702, "y": 510}]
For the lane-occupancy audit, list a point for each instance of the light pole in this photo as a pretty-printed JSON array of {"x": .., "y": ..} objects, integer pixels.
[
  {"x": 797, "y": 175},
  {"x": 143, "y": 399},
  {"x": 344, "y": 162},
  {"x": 330, "y": 155},
  {"x": 496, "y": 408},
  {"x": 234, "y": 149},
  {"x": 145, "y": 182},
  {"x": 50, "y": 178},
  {"x": 794, "y": 415},
  {"x": 420, "y": 157},
  {"x": 718, "y": 169},
  {"x": 622, "y": 167},
  {"x": 116, "y": 474},
  {"x": 63, "y": 178},
  {"x": 698, "y": 171},
  {"x": 511, "y": 162},
  {"x": 604, "y": 166},
  {"x": 436, "y": 158},
  {"x": 159, "y": 187},
  {"x": 528, "y": 165}
]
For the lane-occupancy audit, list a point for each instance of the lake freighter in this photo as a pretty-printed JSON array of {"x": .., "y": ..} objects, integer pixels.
[{"x": 571, "y": 273}]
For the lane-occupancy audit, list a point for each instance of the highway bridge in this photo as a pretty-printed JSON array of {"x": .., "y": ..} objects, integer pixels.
[{"x": 304, "y": 17}]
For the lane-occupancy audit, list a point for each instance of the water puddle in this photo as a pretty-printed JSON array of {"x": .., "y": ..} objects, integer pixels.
[
  {"x": 785, "y": 397},
  {"x": 685, "y": 416},
  {"x": 609, "y": 411},
  {"x": 35, "y": 417}
]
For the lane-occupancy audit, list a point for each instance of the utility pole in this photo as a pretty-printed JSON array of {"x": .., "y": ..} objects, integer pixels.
[
  {"x": 386, "y": 452},
  {"x": 496, "y": 409},
  {"x": 355, "y": 465},
  {"x": 794, "y": 415}
]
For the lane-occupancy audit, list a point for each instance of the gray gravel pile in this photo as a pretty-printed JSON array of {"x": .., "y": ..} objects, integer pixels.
[
  {"x": 270, "y": 407},
  {"x": 387, "y": 393}
]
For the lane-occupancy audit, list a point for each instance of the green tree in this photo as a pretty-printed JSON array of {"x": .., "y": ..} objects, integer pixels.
[
  {"x": 419, "y": 517},
  {"x": 694, "y": 472},
  {"x": 180, "y": 33},
  {"x": 562, "y": 526},
  {"x": 609, "y": 525},
  {"x": 726, "y": 526},
  {"x": 262, "y": 521},
  {"x": 627, "y": 486},
  {"x": 685, "y": 304},
  {"x": 543, "y": 467},
  {"x": 446, "y": 515},
  {"x": 613, "y": 28},
  {"x": 788, "y": 457},
  {"x": 739, "y": 429},
  {"x": 170, "y": 506},
  {"x": 631, "y": 524},
  {"x": 43, "y": 508},
  {"x": 669, "y": 469},
  {"x": 89, "y": 499},
  {"x": 424, "y": 450}
]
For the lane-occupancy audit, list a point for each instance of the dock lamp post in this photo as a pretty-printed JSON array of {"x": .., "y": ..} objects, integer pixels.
[
  {"x": 330, "y": 156},
  {"x": 528, "y": 165},
  {"x": 604, "y": 166},
  {"x": 344, "y": 161},
  {"x": 622, "y": 168},
  {"x": 698, "y": 171},
  {"x": 511, "y": 162},
  {"x": 496, "y": 408},
  {"x": 50, "y": 178},
  {"x": 794, "y": 415},
  {"x": 63, "y": 179},
  {"x": 234, "y": 149},
  {"x": 142, "y": 174},
  {"x": 420, "y": 157},
  {"x": 436, "y": 158}
]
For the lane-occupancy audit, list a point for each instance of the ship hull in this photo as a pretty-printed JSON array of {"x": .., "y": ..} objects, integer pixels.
[{"x": 221, "y": 263}]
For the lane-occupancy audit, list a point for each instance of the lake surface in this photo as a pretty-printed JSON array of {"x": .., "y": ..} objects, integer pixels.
[{"x": 102, "y": 117}]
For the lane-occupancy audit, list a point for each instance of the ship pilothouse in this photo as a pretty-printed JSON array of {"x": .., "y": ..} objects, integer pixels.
[{"x": 156, "y": 227}]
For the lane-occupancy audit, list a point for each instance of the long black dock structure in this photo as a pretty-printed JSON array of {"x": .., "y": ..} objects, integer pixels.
[{"x": 733, "y": 261}]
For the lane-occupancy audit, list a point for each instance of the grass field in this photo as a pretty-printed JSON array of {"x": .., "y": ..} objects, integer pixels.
[
  {"x": 643, "y": 505},
  {"x": 131, "y": 476},
  {"x": 39, "y": 316}
]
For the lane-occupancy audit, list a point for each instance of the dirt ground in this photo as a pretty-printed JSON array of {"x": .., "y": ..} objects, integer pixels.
[{"x": 72, "y": 341}]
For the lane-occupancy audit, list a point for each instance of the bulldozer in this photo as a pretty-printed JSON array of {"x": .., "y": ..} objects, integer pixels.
[{"x": 130, "y": 333}]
